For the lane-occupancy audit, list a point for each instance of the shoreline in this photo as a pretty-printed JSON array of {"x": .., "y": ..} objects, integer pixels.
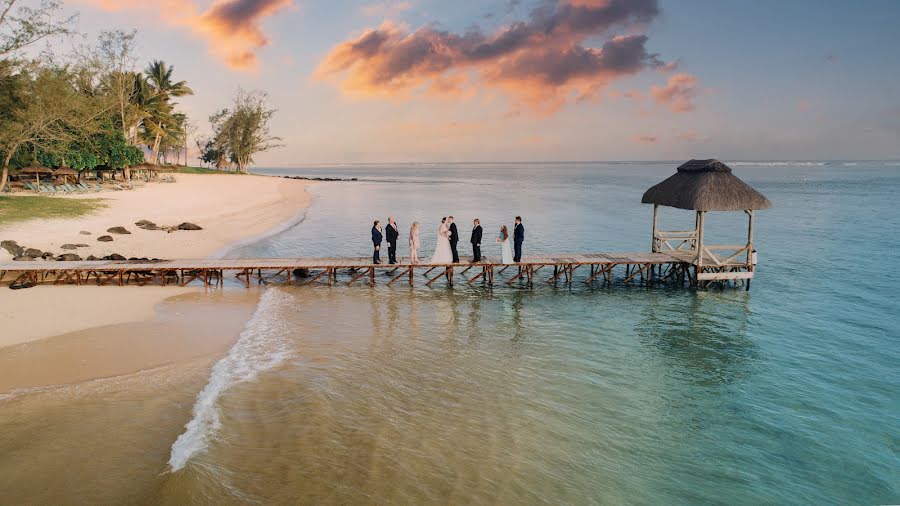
[{"x": 257, "y": 206}]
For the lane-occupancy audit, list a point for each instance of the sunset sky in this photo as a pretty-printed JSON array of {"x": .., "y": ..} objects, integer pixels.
[{"x": 531, "y": 80}]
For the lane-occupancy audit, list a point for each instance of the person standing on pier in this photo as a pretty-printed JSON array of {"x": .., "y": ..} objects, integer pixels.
[
  {"x": 393, "y": 233},
  {"x": 454, "y": 239},
  {"x": 376, "y": 240},
  {"x": 476, "y": 241},
  {"x": 414, "y": 243},
  {"x": 505, "y": 253},
  {"x": 518, "y": 239}
]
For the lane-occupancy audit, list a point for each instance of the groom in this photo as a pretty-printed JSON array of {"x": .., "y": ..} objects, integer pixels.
[{"x": 454, "y": 238}]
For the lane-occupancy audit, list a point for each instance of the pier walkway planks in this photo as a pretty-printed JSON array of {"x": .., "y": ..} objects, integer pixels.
[{"x": 628, "y": 268}]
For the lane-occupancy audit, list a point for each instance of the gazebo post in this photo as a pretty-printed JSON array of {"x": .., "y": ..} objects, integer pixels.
[
  {"x": 699, "y": 238},
  {"x": 653, "y": 246},
  {"x": 749, "y": 236}
]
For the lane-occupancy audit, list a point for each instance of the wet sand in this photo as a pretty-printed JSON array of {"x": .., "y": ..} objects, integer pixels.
[{"x": 185, "y": 328}]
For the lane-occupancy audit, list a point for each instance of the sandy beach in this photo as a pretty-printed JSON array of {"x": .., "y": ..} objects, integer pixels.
[{"x": 229, "y": 209}]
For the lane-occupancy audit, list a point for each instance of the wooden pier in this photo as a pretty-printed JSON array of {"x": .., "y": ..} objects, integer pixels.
[
  {"x": 677, "y": 257},
  {"x": 636, "y": 269}
]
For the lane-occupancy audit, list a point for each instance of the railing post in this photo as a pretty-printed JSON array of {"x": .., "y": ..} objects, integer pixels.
[{"x": 654, "y": 245}]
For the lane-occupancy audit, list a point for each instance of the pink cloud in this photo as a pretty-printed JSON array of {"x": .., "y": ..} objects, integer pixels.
[
  {"x": 678, "y": 93},
  {"x": 646, "y": 139},
  {"x": 543, "y": 63},
  {"x": 232, "y": 28}
]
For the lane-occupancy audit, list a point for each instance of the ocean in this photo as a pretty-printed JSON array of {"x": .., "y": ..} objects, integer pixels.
[{"x": 787, "y": 393}]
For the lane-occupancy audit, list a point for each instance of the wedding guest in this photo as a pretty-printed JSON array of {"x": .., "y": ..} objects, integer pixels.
[
  {"x": 376, "y": 240},
  {"x": 505, "y": 253},
  {"x": 392, "y": 234},
  {"x": 414, "y": 243},
  {"x": 518, "y": 239},
  {"x": 476, "y": 241}
]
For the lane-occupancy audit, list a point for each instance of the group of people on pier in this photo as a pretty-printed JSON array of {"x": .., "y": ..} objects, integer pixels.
[{"x": 446, "y": 251}]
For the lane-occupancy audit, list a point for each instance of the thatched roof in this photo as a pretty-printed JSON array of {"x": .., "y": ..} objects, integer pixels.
[
  {"x": 705, "y": 185},
  {"x": 35, "y": 169},
  {"x": 65, "y": 171}
]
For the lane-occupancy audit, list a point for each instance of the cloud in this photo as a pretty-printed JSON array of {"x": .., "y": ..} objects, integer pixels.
[
  {"x": 678, "y": 93},
  {"x": 802, "y": 105},
  {"x": 543, "y": 62},
  {"x": 646, "y": 139},
  {"x": 385, "y": 8},
  {"x": 231, "y": 28}
]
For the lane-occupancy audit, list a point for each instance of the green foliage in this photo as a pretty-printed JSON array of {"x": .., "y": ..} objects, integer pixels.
[{"x": 243, "y": 131}]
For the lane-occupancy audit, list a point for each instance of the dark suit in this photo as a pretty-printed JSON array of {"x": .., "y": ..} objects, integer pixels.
[
  {"x": 476, "y": 243},
  {"x": 454, "y": 238},
  {"x": 392, "y": 235},
  {"x": 518, "y": 239},
  {"x": 376, "y": 241}
]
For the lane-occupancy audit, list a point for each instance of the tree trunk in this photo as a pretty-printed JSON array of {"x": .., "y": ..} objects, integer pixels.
[
  {"x": 154, "y": 153},
  {"x": 4, "y": 176}
]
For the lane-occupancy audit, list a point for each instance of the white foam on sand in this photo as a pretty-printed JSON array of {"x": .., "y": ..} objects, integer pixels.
[{"x": 260, "y": 347}]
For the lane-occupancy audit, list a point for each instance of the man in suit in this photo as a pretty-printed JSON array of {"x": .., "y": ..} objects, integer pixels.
[
  {"x": 392, "y": 234},
  {"x": 454, "y": 239},
  {"x": 518, "y": 239},
  {"x": 376, "y": 241},
  {"x": 476, "y": 241}
]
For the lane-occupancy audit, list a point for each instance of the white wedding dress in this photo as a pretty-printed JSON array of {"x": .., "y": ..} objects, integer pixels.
[
  {"x": 506, "y": 255},
  {"x": 442, "y": 252}
]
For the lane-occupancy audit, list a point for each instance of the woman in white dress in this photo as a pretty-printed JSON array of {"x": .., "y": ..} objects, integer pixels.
[
  {"x": 506, "y": 256},
  {"x": 442, "y": 252}
]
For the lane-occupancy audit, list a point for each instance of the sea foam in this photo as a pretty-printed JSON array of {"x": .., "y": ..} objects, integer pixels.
[{"x": 260, "y": 347}]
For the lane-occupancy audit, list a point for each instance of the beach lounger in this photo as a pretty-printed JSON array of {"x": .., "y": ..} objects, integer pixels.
[
  {"x": 29, "y": 186},
  {"x": 61, "y": 189},
  {"x": 72, "y": 189},
  {"x": 48, "y": 188}
]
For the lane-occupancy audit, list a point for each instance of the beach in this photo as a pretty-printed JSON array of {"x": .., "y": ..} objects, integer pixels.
[{"x": 229, "y": 209}]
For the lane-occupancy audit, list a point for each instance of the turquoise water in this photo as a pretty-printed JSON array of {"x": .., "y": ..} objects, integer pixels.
[{"x": 788, "y": 393}]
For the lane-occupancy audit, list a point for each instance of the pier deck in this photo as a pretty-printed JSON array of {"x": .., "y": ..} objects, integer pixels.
[{"x": 643, "y": 269}]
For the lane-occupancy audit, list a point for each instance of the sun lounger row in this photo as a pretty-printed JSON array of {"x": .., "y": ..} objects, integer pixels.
[{"x": 72, "y": 188}]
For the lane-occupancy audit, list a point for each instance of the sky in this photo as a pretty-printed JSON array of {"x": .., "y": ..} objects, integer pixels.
[{"x": 382, "y": 81}]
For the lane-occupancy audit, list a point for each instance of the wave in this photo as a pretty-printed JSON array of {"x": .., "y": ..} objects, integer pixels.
[{"x": 260, "y": 347}]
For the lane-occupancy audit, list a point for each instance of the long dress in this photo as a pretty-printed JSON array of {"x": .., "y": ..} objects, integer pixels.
[
  {"x": 506, "y": 256},
  {"x": 442, "y": 252}
]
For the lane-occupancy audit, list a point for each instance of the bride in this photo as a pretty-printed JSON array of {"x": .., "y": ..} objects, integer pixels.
[{"x": 442, "y": 252}]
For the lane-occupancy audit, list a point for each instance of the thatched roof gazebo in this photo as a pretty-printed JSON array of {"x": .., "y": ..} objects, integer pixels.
[
  {"x": 65, "y": 172},
  {"x": 703, "y": 186},
  {"x": 37, "y": 170}
]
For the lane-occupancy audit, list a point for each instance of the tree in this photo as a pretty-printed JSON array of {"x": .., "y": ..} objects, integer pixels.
[
  {"x": 25, "y": 26},
  {"x": 243, "y": 131},
  {"x": 48, "y": 114},
  {"x": 162, "y": 88}
]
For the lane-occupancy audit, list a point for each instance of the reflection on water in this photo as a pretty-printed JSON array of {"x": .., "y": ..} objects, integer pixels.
[{"x": 707, "y": 343}]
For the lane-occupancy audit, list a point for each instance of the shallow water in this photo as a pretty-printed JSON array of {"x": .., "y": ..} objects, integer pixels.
[{"x": 787, "y": 393}]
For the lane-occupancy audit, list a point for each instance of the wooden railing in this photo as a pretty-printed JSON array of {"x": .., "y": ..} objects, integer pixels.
[
  {"x": 686, "y": 240},
  {"x": 735, "y": 250}
]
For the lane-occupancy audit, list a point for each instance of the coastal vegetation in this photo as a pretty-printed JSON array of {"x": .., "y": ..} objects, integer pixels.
[
  {"x": 16, "y": 209},
  {"x": 84, "y": 110},
  {"x": 240, "y": 132}
]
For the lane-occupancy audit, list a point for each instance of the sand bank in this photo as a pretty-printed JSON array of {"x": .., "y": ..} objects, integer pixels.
[{"x": 229, "y": 208}]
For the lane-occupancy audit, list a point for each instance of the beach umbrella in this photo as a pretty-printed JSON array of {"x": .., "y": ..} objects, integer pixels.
[
  {"x": 65, "y": 172},
  {"x": 37, "y": 170}
]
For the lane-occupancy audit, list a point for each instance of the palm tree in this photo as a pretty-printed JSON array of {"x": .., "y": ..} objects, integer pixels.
[{"x": 161, "y": 90}]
